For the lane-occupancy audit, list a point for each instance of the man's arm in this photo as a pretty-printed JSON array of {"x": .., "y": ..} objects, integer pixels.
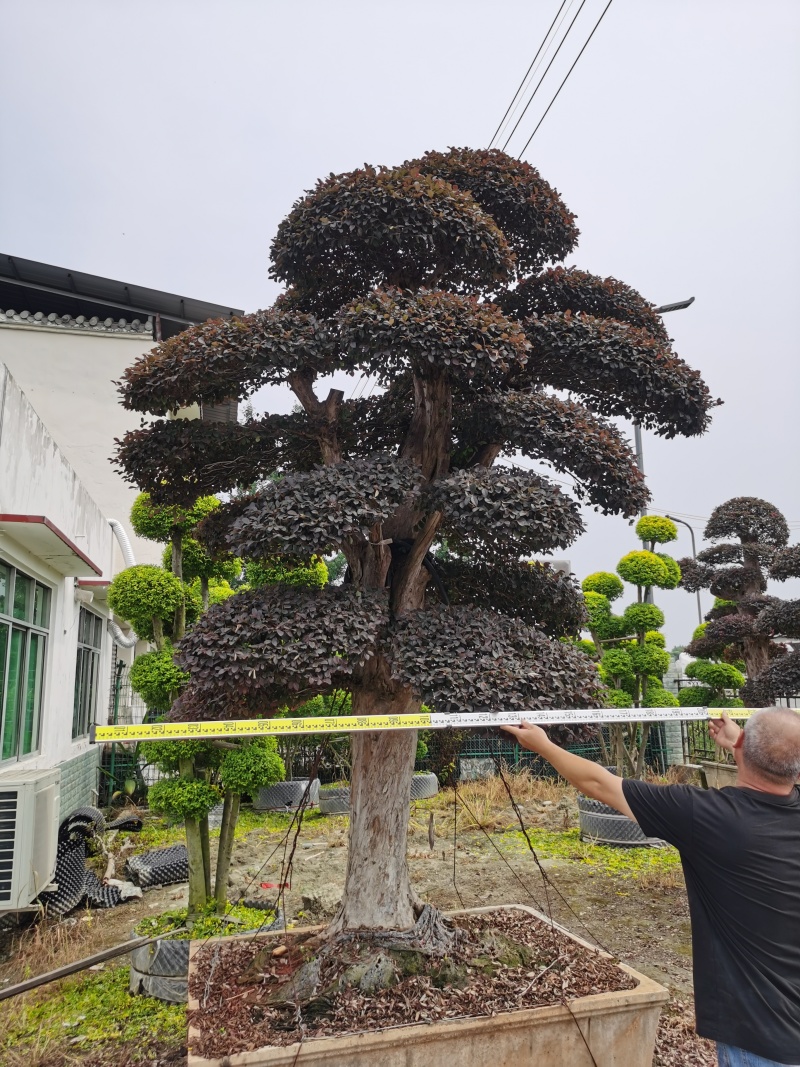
[{"x": 588, "y": 777}]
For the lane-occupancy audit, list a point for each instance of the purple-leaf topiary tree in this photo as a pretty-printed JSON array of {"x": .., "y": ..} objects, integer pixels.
[
  {"x": 431, "y": 280},
  {"x": 752, "y": 547}
]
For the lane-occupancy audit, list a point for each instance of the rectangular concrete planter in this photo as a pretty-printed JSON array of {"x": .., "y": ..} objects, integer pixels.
[{"x": 619, "y": 1029}]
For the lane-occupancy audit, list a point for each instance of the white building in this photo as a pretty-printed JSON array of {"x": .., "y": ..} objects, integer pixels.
[{"x": 65, "y": 338}]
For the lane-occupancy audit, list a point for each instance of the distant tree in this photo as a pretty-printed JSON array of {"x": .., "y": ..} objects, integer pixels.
[
  {"x": 432, "y": 279},
  {"x": 752, "y": 547}
]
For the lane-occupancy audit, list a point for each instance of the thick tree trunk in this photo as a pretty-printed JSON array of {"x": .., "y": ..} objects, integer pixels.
[
  {"x": 756, "y": 655},
  {"x": 230, "y": 813},
  {"x": 377, "y": 891}
]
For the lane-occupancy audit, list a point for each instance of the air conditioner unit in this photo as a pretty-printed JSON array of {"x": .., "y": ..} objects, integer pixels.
[{"x": 29, "y": 818}]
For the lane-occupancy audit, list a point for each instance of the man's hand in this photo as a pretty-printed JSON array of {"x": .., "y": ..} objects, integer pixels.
[
  {"x": 724, "y": 732},
  {"x": 529, "y": 736}
]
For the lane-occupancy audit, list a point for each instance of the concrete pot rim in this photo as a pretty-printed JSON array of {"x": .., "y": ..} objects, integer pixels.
[{"x": 646, "y": 993}]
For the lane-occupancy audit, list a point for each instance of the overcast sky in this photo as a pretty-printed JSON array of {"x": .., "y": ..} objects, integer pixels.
[{"x": 160, "y": 143}]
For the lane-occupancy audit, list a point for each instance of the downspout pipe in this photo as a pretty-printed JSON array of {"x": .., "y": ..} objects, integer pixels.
[{"x": 123, "y": 640}]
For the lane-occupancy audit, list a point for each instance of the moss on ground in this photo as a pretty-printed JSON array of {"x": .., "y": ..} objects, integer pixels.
[
  {"x": 89, "y": 1011},
  {"x": 618, "y": 862}
]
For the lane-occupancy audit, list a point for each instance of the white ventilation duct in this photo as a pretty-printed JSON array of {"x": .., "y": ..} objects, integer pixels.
[{"x": 123, "y": 640}]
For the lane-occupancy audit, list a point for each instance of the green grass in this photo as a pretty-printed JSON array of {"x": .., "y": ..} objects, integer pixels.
[
  {"x": 236, "y": 920},
  {"x": 158, "y": 833},
  {"x": 94, "y": 1009},
  {"x": 619, "y": 862}
]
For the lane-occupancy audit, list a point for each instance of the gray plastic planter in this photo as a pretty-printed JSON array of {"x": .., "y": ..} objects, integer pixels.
[
  {"x": 603, "y": 825},
  {"x": 424, "y": 785},
  {"x": 336, "y": 800},
  {"x": 161, "y": 969},
  {"x": 286, "y": 796}
]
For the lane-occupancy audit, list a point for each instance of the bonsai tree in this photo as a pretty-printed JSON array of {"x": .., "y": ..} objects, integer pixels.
[
  {"x": 752, "y": 546},
  {"x": 431, "y": 279},
  {"x": 716, "y": 680},
  {"x": 631, "y": 648}
]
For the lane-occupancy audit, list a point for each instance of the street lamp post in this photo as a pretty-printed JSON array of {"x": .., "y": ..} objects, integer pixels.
[{"x": 694, "y": 555}]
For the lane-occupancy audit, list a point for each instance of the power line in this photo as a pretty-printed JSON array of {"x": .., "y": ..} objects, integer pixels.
[
  {"x": 547, "y": 68},
  {"x": 561, "y": 86},
  {"x": 528, "y": 71}
]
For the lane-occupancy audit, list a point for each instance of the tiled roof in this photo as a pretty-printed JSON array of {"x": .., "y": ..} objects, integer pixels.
[{"x": 80, "y": 322}]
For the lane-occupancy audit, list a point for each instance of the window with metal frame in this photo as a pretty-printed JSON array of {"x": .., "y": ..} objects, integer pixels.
[
  {"x": 24, "y": 625},
  {"x": 87, "y": 672}
]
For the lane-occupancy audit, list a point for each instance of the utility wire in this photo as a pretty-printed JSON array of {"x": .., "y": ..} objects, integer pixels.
[
  {"x": 561, "y": 86},
  {"x": 547, "y": 69},
  {"x": 527, "y": 73}
]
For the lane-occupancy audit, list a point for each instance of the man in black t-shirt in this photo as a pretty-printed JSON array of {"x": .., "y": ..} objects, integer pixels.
[{"x": 740, "y": 849}]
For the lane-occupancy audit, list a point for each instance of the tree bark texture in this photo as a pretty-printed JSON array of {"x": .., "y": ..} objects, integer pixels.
[
  {"x": 230, "y": 813},
  {"x": 377, "y": 892},
  {"x": 179, "y": 626}
]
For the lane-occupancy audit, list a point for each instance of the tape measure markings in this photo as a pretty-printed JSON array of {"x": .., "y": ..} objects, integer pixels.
[{"x": 175, "y": 731}]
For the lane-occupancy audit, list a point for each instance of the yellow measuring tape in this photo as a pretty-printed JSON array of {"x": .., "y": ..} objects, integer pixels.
[{"x": 341, "y": 724}]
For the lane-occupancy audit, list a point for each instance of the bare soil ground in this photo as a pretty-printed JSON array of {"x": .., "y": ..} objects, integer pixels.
[{"x": 636, "y": 910}]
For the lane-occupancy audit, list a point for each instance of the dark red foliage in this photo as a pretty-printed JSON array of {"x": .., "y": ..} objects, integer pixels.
[
  {"x": 504, "y": 510},
  {"x": 533, "y": 592},
  {"x": 749, "y": 519},
  {"x": 375, "y": 226},
  {"x": 277, "y": 645},
  {"x": 729, "y": 629},
  {"x": 562, "y": 433},
  {"x": 569, "y": 289},
  {"x": 731, "y": 583},
  {"x": 536, "y": 222},
  {"x": 464, "y": 659},
  {"x": 225, "y": 358},
  {"x": 619, "y": 370},
  {"x": 785, "y": 564},
  {"x": 779, "y": 680},
  {"x": 779, "y": 620}
]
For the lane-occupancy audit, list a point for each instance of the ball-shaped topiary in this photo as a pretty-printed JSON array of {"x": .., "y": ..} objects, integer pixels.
[
  {"x": 658, "y": 697},
  {"x": 673, "y": 569},
  {"x": 183, "y": 798},
  {"x": 155, "y": 522},
  {"x": 141, "y": 592},
  {"x": 157, "y": 678},
  {"x": 715, "y": 675},
  {"x": 653, "y": 637},
  {"x": 603, "y": 582},
  {"x": 642, "y": 568},
  {"x": 656, "y": 528},
  {"x": 694, "y": 696},
  {"x": 255, "y": 765},
  {"x": 643, "y": 617},
  {"x": 649, "y": 659},
  {"x": 616, "y": 663},
  {"x": 598, "y": 607},
  {"x": 617, "y": 698}
]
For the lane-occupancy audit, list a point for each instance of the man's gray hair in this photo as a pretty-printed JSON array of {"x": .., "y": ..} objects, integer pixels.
[{"x": 772, "y": 744}]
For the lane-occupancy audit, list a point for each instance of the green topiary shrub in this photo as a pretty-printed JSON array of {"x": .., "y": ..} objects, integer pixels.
[
  {"x": 643, "y": 617},
  {"x": 603, "y": 582},
  {"x": 255, "y": 765},
  {"x": 198, "y": 564},
  {"x": 649, "y": 659},
  {"x": 183, "y": 798},
  {"x": 617, "y": 698},
  {"x": 694, "y": 696},
  {"x": 715, "y": 675},
  {"x": 658, "y": 697},
  {"x": 140, "y": 592},
  {"x": 642, "y": 568},
  {"x": 272, "y": 572},
  {"x": 155, "y": 522},
  {"x": 673, "y": 578},
  {"x": 654, "y": 637},
  {"x": 616, "y": 663},
  {"x": 157, "y": 678},
  {"x": 656, "y": 528}
]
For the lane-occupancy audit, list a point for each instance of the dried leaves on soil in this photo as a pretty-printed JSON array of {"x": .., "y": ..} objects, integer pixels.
[{"x": 233, "y": 1017}]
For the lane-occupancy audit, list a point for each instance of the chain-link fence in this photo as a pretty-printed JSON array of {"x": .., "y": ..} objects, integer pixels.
[{"x": 123, "y": 771}]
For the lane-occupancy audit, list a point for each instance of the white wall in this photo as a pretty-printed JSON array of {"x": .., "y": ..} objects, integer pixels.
[
  {"x": 36, "y": 479},
  {"x": 68, "y": 378}
]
